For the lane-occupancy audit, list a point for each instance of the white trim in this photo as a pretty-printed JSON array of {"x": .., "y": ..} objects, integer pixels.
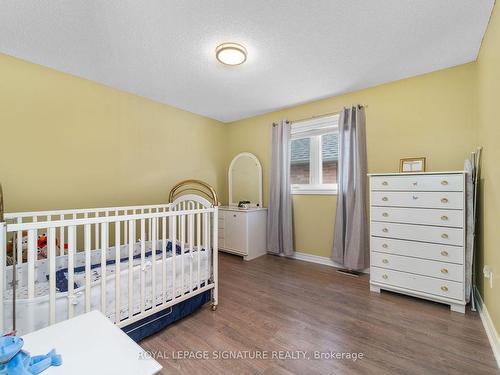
[
  {"x": 413, "y": 173},
  {"x": 319, "y": 260},
  {"x": 315, "y": 161},
  {"x": 310, "y": 190},
  {"x": 489, "y": 327},
  {"x": 230, "y": 178},
  {"x": 323, "y": 125}
]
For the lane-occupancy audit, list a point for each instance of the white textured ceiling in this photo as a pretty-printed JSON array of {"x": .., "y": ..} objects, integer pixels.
[{"x": 298, "y": 50}]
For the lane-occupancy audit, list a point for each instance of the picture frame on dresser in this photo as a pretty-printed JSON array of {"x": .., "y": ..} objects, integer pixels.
[
  {"x": 407, "y": 165},
  {"x": 417, "y": 235}
]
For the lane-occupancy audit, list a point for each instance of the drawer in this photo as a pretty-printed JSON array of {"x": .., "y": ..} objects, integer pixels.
[
  {"x": 419, "y": 283},
  {"x": 432, "y": 268},
  {"x": 444, "y": 253},
  {"x": 443, "y": 182},
  {"x": 437, "y": 200},
  {"x": 450, "y": 218},
  {"x": 442, "y": 235}
]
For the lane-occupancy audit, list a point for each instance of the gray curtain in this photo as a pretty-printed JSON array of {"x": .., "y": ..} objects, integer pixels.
[
  {"x": 350, "y": 243},
  {"x": 279, "y": 214}
]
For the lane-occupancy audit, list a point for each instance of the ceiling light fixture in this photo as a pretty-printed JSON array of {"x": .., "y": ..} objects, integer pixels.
[{"x": 231, "y": 53}]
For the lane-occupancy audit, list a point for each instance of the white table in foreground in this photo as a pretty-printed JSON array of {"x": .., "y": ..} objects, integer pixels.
[{"x": 90, "y": 344}]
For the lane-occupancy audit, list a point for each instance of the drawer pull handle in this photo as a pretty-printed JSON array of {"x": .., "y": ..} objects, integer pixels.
[
  {"x": 444, "y": 182},
  {"x": 444, "y": 270},
  {"x": 234, "y": 215},
  {"x": 385, "y": 261},
  {"x": 385, "y": 277},
  {"x": 385, "y": 230},
  {"x": 444, "y": 217},
  {"x": 444, "y": 200},
  {"x": 415, "y": 183},
  {"x": 385, "y": 246},
  {"x": 415, "y": 198},
  {"x": 385, "y": 183},
  {"x": 444, "y": 235},
  {"x": 385, "y": 199},
  {"x": 444, "y": 288},
  {"x": 444, "y": 253},
  {"x": 385, "y": 214}
]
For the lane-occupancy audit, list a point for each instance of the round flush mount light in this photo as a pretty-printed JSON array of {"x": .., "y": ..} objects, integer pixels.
[{"x": 231, "y": 53}]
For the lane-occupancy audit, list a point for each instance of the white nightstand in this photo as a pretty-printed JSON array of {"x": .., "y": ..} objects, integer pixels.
[{"x": 243, "y": 231}]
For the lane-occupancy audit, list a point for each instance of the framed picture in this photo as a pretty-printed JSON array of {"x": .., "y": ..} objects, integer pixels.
[{"x": 412, "y": 165}]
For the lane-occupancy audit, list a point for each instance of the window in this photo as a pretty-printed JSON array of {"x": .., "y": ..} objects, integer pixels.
[{"x": 314, "y": 156}]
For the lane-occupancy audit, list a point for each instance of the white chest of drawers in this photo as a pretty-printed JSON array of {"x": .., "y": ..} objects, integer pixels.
[
  {"x": 417, "y": 235},
  {"x": 243, "y": 232}
]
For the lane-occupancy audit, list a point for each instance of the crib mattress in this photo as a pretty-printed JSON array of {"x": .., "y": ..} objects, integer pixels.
[{"x": 33, "y": 314}]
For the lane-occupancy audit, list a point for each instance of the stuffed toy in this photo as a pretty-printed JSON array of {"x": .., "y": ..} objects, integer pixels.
[
  {"x": 41, "y": 247},
  {"x": 15, "y": 361}
]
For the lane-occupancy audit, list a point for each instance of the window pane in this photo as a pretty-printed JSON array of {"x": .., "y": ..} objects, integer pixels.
[
  {"x": 330, "y": 154},
  {"x": 300, "y": 161}
]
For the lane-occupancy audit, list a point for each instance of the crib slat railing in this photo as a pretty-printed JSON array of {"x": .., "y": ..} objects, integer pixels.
[
  {"x": 96, "y": 234},
  {"x": 117, "y": 270},
  {"x": 205, "y": 237},
  {"x": 19, "y": 245},
  {"x": 187, "y": 225},
  {"x": 71, "y": 268},
  {"x": 174, "y": 255},
  {"x": 3, "y": 264},
  {"x": 52, "y": 274},
  {"x": 125, "y": 229},
  {"x": 198, "y": 244},
  {"x": 87, "y": 243},
  {"x": 215, "y": 259},
  {"x": 163, "y": 259},
  {"x": 104, "y": 250},
  {"x": 131, "y": 241},
  {"x": 153, "y": 262},
  {"x": 150, "y": 229},
  {"x": 61, "y": 236},
  {"x": 209, "y": 243},
  {"x": 183, "y": 241},
  {"x": 143, "y": 264},
  {"x": 89, "y": 211},
  {"x": 191, "y": 245},
  {"x": 32, "y": 252},
  {"x": 96, "y": 220}
]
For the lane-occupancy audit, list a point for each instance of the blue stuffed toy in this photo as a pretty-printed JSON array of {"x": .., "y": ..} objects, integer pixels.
[{"x": 14, "y": 361}]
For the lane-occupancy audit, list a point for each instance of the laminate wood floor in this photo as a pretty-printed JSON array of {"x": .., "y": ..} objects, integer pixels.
[{"x": 276, "y": 306}]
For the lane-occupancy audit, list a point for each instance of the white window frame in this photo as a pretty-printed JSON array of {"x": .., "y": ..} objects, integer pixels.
[{"x": 314, "y": 129}]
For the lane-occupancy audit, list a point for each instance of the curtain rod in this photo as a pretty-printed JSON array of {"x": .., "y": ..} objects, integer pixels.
[{"x": 323, "y": 115}]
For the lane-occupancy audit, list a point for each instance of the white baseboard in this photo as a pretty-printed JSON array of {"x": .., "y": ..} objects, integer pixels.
[
  {"x": 489, "y": 327},
  {"x": 319, "y": 260}
]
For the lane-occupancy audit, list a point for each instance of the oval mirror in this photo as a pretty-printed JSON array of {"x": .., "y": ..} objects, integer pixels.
[{"x": 245, "y": 180}]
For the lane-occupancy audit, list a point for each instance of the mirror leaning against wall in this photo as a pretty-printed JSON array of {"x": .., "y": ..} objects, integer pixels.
[{"x": 245, "y": 180}]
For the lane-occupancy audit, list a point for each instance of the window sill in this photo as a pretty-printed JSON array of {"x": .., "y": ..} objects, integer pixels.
[{"x": 314, "y": 191}]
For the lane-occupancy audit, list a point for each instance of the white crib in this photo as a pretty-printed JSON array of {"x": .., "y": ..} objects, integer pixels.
[{"x": 128, "y": 262}]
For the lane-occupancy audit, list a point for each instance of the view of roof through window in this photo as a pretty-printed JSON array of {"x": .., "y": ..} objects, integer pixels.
[
  {"x": 300, "y": 165},
  {"x": 301, "y": 149}
]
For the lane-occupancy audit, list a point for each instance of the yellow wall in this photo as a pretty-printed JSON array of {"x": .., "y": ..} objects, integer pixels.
[
  {"x": 430, "y": 115},
  {"x": 69, "y": 143},
  {"x": 488, "y": 124}
]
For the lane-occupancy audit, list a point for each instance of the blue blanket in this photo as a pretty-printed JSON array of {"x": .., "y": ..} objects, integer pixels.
[{"x": 62, "y": 279}]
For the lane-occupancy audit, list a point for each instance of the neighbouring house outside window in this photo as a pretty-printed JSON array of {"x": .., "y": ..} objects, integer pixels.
[{"x": 314, "y": 156}]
